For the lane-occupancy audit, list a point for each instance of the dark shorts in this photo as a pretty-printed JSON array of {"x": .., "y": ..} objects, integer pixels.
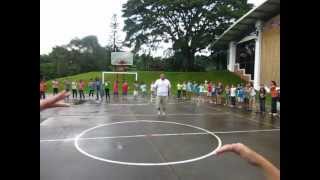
[
  {"x": 124, "y": 93},
  {"x": 115, "y": 93}
]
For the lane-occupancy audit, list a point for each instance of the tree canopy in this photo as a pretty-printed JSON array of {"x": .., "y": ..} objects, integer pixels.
[{"x": 190, "y": 25}]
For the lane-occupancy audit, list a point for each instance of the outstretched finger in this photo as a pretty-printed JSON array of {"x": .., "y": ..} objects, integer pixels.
[
  {"x": 225, "y": 148},
  {"x": 60, "y": 96},
  {"x": 59, "y": 105}
]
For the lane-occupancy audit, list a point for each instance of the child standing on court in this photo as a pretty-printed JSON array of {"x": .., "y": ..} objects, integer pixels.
[
  {"x": 43, "y": 89},
  {"x": 91, "y": 88},
  {"x": 125, "y": 88},
  {"x": 201, "y": 92},
  {"x": 274, "y": 98},
  {"x": 107, "y": 87},
  {"x": 55, "y": 86},
  {"x": 74, "y": 89},
  {"x": 209, "y": 94},
  {"x": 184, "y": 90},
  {"x": 143, "y": 88},
  {"x": 98, "y": 88},
  {"x": 179, "y": 89},
  {"x": 116, "y": 89},
  {"x": 152, "y": 91},
  {"x": 67, "y": 86},
  {"x": 233, "y": 95},
  {"x": 252, "y": 97},
  {"x": 81, "y": 89},
  {"x": 135, "y": 89},
  {"x": 262, "y": 99},
  {"x": 227, "y": 95}
]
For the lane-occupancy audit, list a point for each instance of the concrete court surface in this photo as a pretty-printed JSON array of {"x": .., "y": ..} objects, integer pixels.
[{"x": 124, "y": 132}]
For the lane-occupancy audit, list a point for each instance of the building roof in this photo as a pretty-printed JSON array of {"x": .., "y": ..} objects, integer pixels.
[{"x": 236, "y": 31}]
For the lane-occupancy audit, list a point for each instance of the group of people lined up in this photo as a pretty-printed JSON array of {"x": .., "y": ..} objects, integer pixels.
[
  {"x": 95, "y": 88},
  {"x": 234, "y": 96}
]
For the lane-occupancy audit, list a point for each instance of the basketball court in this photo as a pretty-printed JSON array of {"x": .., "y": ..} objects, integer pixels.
[{"x": 128, "y": 140}]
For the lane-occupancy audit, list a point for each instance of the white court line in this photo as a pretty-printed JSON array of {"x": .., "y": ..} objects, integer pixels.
[
  {"x": 143, "y": 104},
  {"x": 160, "y": 135},
  {"x": 125, "y": 115}
]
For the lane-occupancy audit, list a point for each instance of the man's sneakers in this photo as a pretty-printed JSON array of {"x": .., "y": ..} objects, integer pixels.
[{"x": 163, "y": 113}]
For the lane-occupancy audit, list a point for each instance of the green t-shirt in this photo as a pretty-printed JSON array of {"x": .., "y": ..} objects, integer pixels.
[
  {"x": 179, "y": 86},
  {"x": 107, "y": 85}
]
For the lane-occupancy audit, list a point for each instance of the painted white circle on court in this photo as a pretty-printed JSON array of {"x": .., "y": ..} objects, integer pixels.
[{"x": 76, "y": 143}]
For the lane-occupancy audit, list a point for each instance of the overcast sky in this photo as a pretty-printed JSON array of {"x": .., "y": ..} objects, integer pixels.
[{"x": 63, "y": 20}]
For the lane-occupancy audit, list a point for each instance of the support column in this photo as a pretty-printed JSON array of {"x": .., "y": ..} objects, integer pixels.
[
  {"x": 257, "y": 56},
  {"x": 232, "y": 56}
]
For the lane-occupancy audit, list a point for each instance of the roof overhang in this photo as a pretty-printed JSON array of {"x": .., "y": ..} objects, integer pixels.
[{"x": 246, "y": 23}]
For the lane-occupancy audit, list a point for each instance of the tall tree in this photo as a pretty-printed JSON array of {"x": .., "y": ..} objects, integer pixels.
[
  {"x": 115, "y": 41},
  {"x": 190, "y": 25}
]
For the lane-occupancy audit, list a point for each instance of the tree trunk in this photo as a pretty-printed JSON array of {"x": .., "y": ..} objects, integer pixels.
[{"x": 188, "y": 55}]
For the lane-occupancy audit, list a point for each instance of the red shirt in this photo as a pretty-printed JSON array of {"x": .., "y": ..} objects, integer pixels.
[
  {"x": 210, "y": 87},
  {"x": 125, "y": 87},
  {"x": 274, "y": 92},
  {"x": 81, "y": 85},
  {"x": 115, "y": 87},
  {"x": 43, "y": 87}
]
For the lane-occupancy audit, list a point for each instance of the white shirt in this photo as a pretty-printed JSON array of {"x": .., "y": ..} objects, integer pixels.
[
  {"x": 233, "y": 92},
  {"x": 201, "y": 88},
  {"x": 252, "y": 92},
  {"x": 184, "y": 87},
  {"x": 152, "y": 87},
  {"x": 162, "y": 87}
]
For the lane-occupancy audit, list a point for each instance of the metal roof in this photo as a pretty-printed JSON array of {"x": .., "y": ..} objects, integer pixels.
[{"x": 236, "y": 31}]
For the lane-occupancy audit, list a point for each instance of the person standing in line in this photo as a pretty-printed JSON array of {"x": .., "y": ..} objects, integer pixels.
[
  {"x": 219, "y": 92},
  {"x": 107, "y": 87},
  {"x": 246, "y": 94},
  {"x": 81, "y": 89},
  {"x": 67, "y": 87},
  {"x": 195, "y": 90},
  {"x": 98, "y": 88},
  {"x": 43, "y": 89},
  {"x": 179, "y": 89},
  {"x": 152, "y": 90},
  {"x": 209, "y": 91},
  {"x": 201, "y": 92},
  {"x": 74, "y": 89},
  {"x": 184, "y": 90},
  {"x": 55, "y": 86},
  {"x": 238, "y": 94},
  {"x": 163, "y": 87},
  {"x": 227, "y": 95},
  {"x": 252, "y": 97},
  {"x": 274, "y": 98},
  {"x": 262, "y": 99},
  {"x": 233, "y": 95},
  {"x": 189, "y": 89},
  {"x": 135, "y": 90},
  {"x": 143, "y": 88},
  {"x": 241, "y": 95},
  {"x": 91, "y": 88},
  {"x": 125, "y": 88},
  {"x": 205, "y": 90},
  {"x": 116, "y": 89},
  {"x": 213, "y": 96}
]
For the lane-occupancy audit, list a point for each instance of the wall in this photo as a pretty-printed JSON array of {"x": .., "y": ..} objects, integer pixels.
[{"x": 270, "y": 51}]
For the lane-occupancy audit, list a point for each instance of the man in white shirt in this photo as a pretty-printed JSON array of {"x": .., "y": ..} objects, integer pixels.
[{"x": 162, "y": 87}]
